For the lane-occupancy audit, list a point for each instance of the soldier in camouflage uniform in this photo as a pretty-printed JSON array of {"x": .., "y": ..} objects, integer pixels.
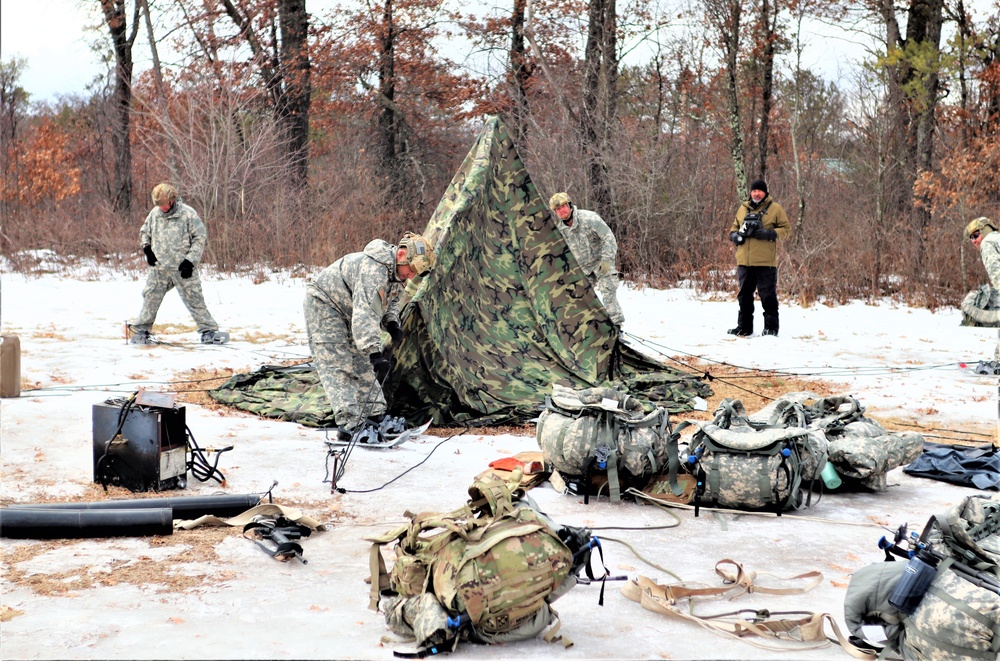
[
  {"x": 173, "y": 240},
  {"x": 594, "y": 247},
  {"x": 982, "y": 232},
  {"x": 345, "y": 308}
]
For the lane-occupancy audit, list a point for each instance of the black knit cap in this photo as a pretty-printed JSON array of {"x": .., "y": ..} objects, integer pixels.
[{"x": 758, "y": 184}]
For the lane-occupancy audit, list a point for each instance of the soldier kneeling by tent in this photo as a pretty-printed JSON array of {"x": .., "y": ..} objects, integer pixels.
[{"x": 346, "y": 307}]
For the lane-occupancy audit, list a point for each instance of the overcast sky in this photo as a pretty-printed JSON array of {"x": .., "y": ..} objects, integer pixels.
[{"x": 55, "y": 38}]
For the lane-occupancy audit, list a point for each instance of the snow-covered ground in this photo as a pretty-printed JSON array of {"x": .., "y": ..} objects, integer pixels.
[{"x": 900, "y": 362}]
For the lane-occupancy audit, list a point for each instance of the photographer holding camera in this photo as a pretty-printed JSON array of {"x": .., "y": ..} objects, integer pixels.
[{"x": 760, "y": 222}]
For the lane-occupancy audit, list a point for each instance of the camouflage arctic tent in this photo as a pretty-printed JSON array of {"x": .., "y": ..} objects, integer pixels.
[{"x": 504, "y": 314}]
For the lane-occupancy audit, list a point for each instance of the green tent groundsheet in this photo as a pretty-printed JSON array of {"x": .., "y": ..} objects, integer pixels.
[{"x": 505, "y": 313}]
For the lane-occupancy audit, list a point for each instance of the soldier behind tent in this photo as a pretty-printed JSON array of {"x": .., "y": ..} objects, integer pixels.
[
  {"x": 346, "y": 307},
  {"x": 173, "y": 239},
  {"x": 759, "y": 223},
  {"x": 982, "y": 232},
  {"x": 595, "y": 248}
]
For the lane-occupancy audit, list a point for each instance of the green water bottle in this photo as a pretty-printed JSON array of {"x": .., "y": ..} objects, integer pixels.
[{"x": 830, "y": 477}]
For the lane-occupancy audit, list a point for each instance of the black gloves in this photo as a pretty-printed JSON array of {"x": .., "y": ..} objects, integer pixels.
[
  {"x": 186, "y": 268},
  {"x": 150, "y": 257},
  {"x": 765, "y": 235},
  {"x": 395, "y": 332},
  {"x": 735, "y": 237},
  {"x": 380, "y": 364}
]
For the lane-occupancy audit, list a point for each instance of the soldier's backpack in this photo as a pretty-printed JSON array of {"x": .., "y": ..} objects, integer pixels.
[
  {"x": 603, "y": 431},
  {"x": 860, "y": 449},
  {"x": 744, "y": 463},
  {"x": 981, "y": 307},
  {"x": 947, "y": 612},
  {"x": 486, "y": 572}
]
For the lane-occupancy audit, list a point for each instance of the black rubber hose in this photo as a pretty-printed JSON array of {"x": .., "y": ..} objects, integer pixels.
[
  {"x": 71, "y": 524},
  {"x": 184, "y": 507}
]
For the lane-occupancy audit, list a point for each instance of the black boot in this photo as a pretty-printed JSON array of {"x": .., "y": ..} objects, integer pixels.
[{"x": 740, "y": 332}]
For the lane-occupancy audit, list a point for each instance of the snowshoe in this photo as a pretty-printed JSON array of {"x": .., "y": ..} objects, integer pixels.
[
  {"x": 987, "y": 367},
  {"x": 214, "y": 337},
  {"x": 141, "y": 337},
  {"x": 388, "y": 433}
]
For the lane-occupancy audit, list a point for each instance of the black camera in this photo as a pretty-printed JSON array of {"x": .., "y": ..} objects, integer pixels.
[{"x": 751, "y": 223}]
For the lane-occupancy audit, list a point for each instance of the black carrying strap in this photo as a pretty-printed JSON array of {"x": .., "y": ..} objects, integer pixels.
[
  {"x": 282, "y": 532},
  {"x": 444, "y": 647}
]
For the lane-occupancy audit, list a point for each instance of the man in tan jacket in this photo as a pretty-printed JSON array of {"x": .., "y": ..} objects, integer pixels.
[{"x": 759, "y": 223}]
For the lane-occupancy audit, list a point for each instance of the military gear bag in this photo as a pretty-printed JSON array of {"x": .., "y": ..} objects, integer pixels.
[
  {"x": 981, "y": 307},
  {"x": 603, "y": 431},
  {"x": 958, "y": 614},
  {"x": 861, "y": 449},
  {"x": 744, "y": 463},
  {"x": 487, "y": 572}
]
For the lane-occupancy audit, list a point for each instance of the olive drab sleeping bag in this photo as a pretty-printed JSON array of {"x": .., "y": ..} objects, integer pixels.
[
  {"x": 955, "y": 613},
  {"x": 604, "y": 431},
  {"x": 486, "y": 572}
]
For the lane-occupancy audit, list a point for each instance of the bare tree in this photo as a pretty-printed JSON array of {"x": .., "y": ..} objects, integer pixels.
[
  {"x": 122, "y": 38},
  {"x": 724, "y": 16},
  {"x": 600, "y": 100},
  {"x": 284, "y": 66}
]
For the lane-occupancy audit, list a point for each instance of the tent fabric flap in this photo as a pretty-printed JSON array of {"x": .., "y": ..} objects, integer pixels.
[{"x": 506, "y": 311}]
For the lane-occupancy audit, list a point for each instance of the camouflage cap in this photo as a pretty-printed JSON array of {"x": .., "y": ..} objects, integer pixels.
[
  {"x": 419, "y": 253},
  {"x": 558, "y": 200},
  {"x": 164, "y": 193},
  {"x": 982, "y": 224}
]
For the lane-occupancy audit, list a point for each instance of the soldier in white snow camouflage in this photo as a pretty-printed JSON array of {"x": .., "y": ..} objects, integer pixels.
[
  {"x": 595, "y": 248},
  {"x": 173, "y": 240},
  {"x": 346, "y": 307},
  {"x": 982, "y": 232}
]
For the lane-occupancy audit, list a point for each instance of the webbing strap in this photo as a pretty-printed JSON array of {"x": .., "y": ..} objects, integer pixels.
[
  {"x": 808, "y": 630},
  {"x": 379, "y": 577}
]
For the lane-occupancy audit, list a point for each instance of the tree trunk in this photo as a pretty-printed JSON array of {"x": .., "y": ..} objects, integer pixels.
[
  {"x": 519, "y": 74},
  {"x": 295, "y": 66},
  {"x": 286, "y": 76},
  {"x": 122, "y": 39},
  {"x": 725, "y": 16},
  {"x": 923, "y": 28},
  {"x": 769, "y": 25},
  {"x": 599, "y": 102},
  {"x": 388, "y": 124}
]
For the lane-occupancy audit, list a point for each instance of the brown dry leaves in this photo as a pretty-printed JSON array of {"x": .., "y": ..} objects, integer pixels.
[{"x": 197, "y": 547}]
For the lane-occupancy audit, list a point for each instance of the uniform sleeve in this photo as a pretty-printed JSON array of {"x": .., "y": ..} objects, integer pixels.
[
  {"x": 609, "y": 245},
  {"x": 781, "y": 225},
  {"x": 368, "y": 309},
  {"x": 197, "y": 236},
  {"x": 146, "y": 231},
  {"x": 991, "y": 260}
]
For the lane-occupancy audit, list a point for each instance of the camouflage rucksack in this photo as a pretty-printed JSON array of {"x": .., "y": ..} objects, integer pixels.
[
  {"x": 954, "y": 607},
  {"x": 486, "y": 572},
  {"x": 745, "y": 463},
  {"x": 981, "y": 307},
  {"x": 861, "y": 449},
  {"x": 594, "y": 431}
]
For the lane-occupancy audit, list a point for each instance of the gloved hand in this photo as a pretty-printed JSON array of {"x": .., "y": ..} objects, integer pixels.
[
  {"x": 186, "y": 268},
  {"x": 734, "y": 237},
  {"x": 150, "y": 257},
  {"x": 605, "y": 268},
  {"x": 765, "y": 235},
  {"x": 395, "y": 332},
  {"x": 380, "y": 364}
]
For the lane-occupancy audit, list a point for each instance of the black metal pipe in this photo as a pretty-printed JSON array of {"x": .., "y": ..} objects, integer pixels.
[
  {"x": 23, "y": 523},
  {"x": 184, "y": 507}
]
